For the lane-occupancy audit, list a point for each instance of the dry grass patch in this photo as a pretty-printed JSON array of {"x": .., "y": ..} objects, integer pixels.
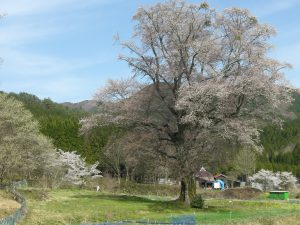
[
  {"x": 295, "y": 193},
  {"x": 7, "y": 205},
  {"x": 242, "y": 193},
  {"x": 231, "y": 193}
]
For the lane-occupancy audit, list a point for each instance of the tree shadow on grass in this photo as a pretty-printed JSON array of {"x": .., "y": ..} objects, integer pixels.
[
  {"x": 121, "y": 198},
  {"x": 162, "y": 206},
  {"x": 169, "y": 206},
  {"x": 153, "y": 205}
]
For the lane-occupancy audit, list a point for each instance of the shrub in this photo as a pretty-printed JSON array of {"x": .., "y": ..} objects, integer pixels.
[{"x": 197, "y": 202}]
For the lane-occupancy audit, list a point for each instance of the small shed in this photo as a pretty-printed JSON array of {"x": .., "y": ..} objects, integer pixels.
[
  {"x": 279, "y": 195},
  {"x": 205, "y": 178}
]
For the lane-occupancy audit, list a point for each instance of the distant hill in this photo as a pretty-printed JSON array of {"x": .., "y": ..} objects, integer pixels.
[
  {"x": 87, "y": 105},
  {"x": 282, "y": 146}
]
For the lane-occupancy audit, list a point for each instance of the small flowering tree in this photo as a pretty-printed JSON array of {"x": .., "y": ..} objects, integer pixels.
[
  {"x": 77, "y": 169},
  {"x": 269, "y": 180},
  {"x": 287, "y": 180},
  {"x": 25, "y": 153},
  {"x": 266, "y": 179}
]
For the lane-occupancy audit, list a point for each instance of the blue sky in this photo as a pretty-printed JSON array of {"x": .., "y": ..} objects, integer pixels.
[{"x": 64, "y": 49}]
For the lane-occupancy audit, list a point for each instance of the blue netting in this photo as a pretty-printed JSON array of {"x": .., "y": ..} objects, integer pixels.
[
  {"x": 19, "y": 213},
  {"x": 184, "y": 220},
  {"x": 179, "y": 220}
]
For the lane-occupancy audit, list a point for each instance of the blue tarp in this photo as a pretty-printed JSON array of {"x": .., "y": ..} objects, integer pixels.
[{"x": 222, "y": 184}]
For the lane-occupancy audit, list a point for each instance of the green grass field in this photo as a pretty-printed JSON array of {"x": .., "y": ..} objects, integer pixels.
[{"x": 76, "y": 206}]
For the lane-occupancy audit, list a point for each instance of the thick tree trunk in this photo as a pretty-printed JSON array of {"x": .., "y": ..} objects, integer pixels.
[
  {"x": 182, "y": 190},
  {"x": 188, "y": 184},
  {"x": 187, "y": 190}
]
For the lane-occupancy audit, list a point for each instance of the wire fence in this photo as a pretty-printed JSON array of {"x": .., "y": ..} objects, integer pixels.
[
  {"x": 180, "y": 220},
  {"x": 19, "y": 213}
]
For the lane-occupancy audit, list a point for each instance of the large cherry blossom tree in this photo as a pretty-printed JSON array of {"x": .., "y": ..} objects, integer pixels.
[{"x": 201, "y": 79}]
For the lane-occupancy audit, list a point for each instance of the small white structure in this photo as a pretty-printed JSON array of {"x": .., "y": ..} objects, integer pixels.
[
  {"x": 166, "y": 181},
  {"x": 98, "y": 188},
  {"x": 217, "y": 185}
]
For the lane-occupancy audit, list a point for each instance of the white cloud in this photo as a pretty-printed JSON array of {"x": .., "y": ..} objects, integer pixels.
[
  {"x": 23, "y": 64},
  {"x": 28, "y": 64},
  {"x": 22, "y": 33},
  {"x": 27, "y": 20}
]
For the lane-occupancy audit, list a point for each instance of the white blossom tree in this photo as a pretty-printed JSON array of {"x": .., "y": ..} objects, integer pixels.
[
  {"x": 269, "y": 180},
  {"x": 24, "y": 152},
  {"x": 287, "y": 180},
  {"x": 77, "y": 169},
  {"x": 266, "y": 179},
  {"x": 206, "y": 78}
]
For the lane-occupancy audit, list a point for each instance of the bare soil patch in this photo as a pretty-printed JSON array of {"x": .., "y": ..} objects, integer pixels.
[
  {"x": 7, "y": 205},
  {"x": 242, "y": 193}
]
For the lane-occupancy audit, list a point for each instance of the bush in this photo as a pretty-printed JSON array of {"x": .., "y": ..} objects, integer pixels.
[{"x": 197, "y": 202}]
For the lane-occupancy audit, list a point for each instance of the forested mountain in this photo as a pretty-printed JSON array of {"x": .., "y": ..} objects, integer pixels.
[
  {"x": 87, "y": 105},
  {"x": 282, "y": 146},
  {"x": 61, "y": 124}
]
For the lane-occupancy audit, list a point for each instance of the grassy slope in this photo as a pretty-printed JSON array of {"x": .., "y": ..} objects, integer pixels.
[
  {"x": 7, "y": 205},
  {"x": 75, "y": 206}
]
